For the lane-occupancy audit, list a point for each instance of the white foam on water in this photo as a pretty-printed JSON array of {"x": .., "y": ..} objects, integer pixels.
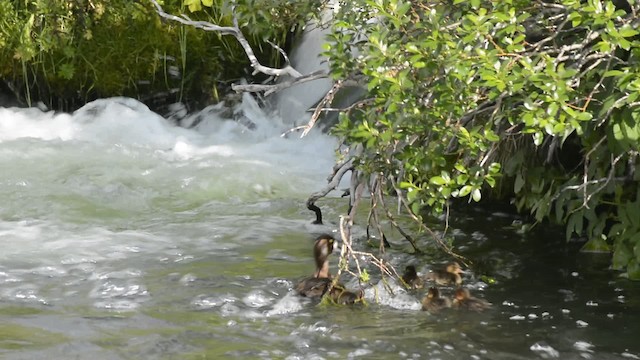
[
  {"x": 288, "y": 304},
  {"x": 91, "y": 199},
  {"x": 398, "y": 298},
  {"x": 545, "y": 351},
  {"x": 118, "y": 153}
]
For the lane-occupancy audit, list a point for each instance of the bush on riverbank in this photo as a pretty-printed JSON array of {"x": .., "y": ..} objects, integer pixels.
[
  {"x": 65, "y": 53},
  {"x": 534, "y": 101}
]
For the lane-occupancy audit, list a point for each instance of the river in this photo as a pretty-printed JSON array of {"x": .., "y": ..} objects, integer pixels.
[{"x": 125, "y": 237}]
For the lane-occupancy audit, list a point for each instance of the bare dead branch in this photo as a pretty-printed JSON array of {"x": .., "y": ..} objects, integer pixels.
[
  {"x": 274, "y": 88},
  {"x": 328, "y": 99},
  {"x": 373, "y": 215},
  {"x": 235, "y": 32},
  {"x": 395, "y": 224},
  {"x": 347, "y": 254},
  {"x": 282, "y": 52},
  {"x": 418, "y": 221},
  {"x": 333, "y": 184}
]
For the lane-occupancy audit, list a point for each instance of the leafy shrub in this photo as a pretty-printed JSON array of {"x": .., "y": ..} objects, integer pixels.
[{"x": 531, "y": 100}]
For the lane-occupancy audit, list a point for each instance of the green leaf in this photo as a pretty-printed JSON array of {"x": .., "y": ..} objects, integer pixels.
[
  {"x": 406, "y": 185},
  {"x": 621, "y": 257},
  {"x": 627, "y": 31},
  {"x": 412, "y": 194},
  {"x": 596, "y": 245},
  {"x": 476, "y": 195},
  {"x": 576, "y": 18},
  {"x": 491, "y": 136},
  {"x": 437, "y": 180},
  {"x": 66, "y": 71},
  {"x": 462, "y": 179},
  {"x": 490, "y": 181},
  {"x": 519, "y": 183},
  {"x": 633, "y": 270},
  {"x": 415, "y": 207},
  {"x": 194, "y": 5},
  {"x": 465, "y": 191},
  {"x": 364, "y": 276},
  {"x": 574, "y": 225},
  {"x": 465, "y": 133},
  {"x": 612, "y": 73},
  {"x": 584, "y": 116}
]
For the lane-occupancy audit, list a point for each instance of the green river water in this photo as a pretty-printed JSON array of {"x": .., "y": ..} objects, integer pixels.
[{"x": 124, "y": 237}]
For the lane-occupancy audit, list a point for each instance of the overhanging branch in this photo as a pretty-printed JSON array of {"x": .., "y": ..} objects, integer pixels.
[{"x": 235, "y": 32}]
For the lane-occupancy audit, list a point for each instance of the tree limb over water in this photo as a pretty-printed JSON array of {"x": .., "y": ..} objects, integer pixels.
[{"x": 235, "y": 31}]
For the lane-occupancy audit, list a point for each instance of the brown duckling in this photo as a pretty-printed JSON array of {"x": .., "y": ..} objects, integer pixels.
[
  {"x": 317, "y": 285},
  {"x": 411, "y": 278},
  {"x": 433, "y": 303},
  {"x": 341, "y": 296},
  {"x": 464, "y": 300},
  {"x": 450, "y": 275}
]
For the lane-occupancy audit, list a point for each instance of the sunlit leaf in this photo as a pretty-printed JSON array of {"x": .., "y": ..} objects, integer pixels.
[
  {"x": 476, "y": 195},
  {"x": 437, "y": 180}
]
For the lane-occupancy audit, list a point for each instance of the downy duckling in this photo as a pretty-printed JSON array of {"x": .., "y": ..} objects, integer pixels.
[
  {"x": 464, "y": 300},
  {"x": 341, "y": 296},
  {"x": 411, "y": 278},
  {"x": 433, "y": 303},
  {"x": 317, "y": 285},
  {"x": 447, "y": 276}
]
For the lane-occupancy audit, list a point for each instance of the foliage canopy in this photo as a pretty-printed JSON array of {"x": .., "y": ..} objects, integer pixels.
[
  {"x": 65, "y": 53},
  {"x": 538, "y": 101}
]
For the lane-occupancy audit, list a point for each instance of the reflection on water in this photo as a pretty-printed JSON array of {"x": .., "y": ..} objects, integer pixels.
[{"x": 168, "y": 243}]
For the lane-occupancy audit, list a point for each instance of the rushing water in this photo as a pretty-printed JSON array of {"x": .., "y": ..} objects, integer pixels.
[{"x": 124, "y": 237}]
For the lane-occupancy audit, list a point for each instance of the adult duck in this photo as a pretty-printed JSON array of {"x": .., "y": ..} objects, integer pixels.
[
  {"x": 317, "y": 285},
  {"x": 321, "y": 282}
]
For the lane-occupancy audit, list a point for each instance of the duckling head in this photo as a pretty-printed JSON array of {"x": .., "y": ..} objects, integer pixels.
[
  {"x": 462, "y": 294},
  {"x": 454, "y": 268},
  {"x": 340, "y": 296},
  {"x": 410, "y": 272},
  {"x": 433, "y": 293}
]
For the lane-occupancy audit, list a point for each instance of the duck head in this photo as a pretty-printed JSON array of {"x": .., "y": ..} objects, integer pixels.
[{"x": 322, "y": 248}]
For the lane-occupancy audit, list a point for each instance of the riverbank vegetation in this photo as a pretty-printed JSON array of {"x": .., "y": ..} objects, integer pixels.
[
  {"x": 533, "y": 102},
  {"x": 65, "y": 53}
]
